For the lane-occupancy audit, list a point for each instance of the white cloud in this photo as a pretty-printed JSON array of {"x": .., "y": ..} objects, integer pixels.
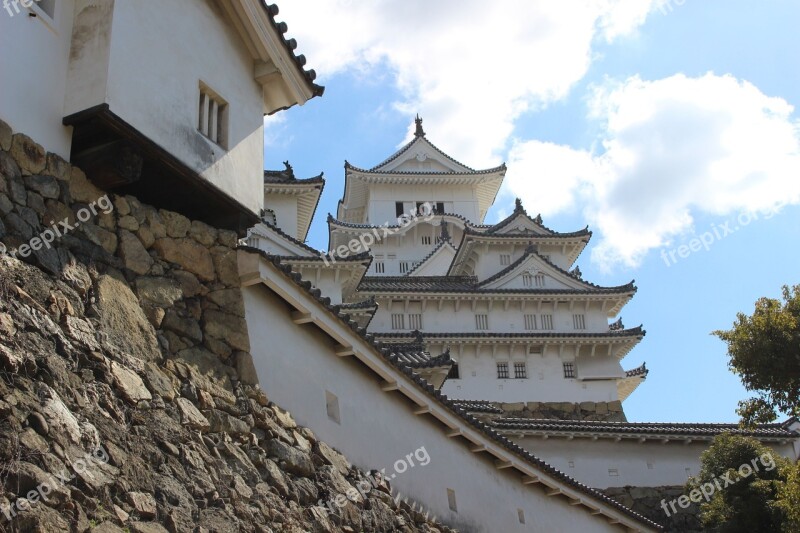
[
  {"x": 673, "y": 149},
  {"x": 469, "y": 67}
]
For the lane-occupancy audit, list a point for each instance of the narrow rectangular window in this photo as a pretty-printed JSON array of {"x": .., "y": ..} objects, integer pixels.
[
  {"x": 454, "y": 372},
  {"x": 531, "y": 323},
  {"x": 482, "y": 322},
  {"x": 380, "y": 268},
  {"x": 521, "y": 516},
  {"x": 332, "y": 407},
  {"x": 527, "y": 280},
  {"x": 569, "y": 370},
  {"x": 579, "y": 321},
  {"x": 398, "y": 321},
  {"x": 414, "y": 321},
  {"x": 538, "y": 280},
  {"x": 502, "y": 370},
  {"x": 547, "y": 321},
  {"x": 426, "y": 239},
  {"x": 520, "y": 371},
  {"x": 451, "y": 500},
  {"x": 440, "y": 208},
  {"x": 398, "y": 208},
  {"x": 505, "y": 259},
  {"x": 535, "y": 350},
  {"x": 403, "y": 267},
  {"x": 213, "y": 116}
]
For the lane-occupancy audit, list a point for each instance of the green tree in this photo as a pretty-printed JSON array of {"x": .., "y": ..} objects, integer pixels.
[
  {"x": 789, "y": 499},
  {"x": 742, "y": 478},
  {"x": 764, "y": 351}
]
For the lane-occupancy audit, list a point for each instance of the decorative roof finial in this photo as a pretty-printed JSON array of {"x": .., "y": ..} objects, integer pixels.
[
  {"x": 518, "y": 206},
  {"x": 420, "y": 132},
  {"x": 289, "y": 170}
]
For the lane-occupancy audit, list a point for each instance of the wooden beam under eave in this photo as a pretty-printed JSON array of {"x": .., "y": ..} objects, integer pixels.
[
  {"x": 301, "y": 318},
  {"x": 553, "y": 492},
  {"x": 389, "y": 386},
  {"x": 530, "y": 480},
  {"x": 501, "y": 465},
  {"x": 575, "y": 502},
  {"x": 345, "y": 351},
  {"x": 454, "y": 433},
  {"x": 477, "y": 448},
  {"x": 424, "y": 410}
]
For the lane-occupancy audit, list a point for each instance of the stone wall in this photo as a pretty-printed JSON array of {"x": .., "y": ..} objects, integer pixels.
[
  {"x": 127, "y": 335},
  {"x": 599, "y": 411},
  {"x": 647, "y": 502}
]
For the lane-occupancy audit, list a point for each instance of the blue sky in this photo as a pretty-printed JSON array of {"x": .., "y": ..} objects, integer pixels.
[{"x": 653, "y": 122}]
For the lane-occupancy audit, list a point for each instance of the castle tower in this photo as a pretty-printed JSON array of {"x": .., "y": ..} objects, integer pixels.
[{"x": 506, "y": 300}]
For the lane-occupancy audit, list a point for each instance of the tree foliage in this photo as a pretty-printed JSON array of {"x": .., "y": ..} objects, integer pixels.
[
  {"x": 748, "y": 501},
  {"x": 764, "y": 351}
]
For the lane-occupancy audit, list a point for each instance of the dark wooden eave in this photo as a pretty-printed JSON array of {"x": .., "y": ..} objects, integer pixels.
[{"x": 118, "y": 158}]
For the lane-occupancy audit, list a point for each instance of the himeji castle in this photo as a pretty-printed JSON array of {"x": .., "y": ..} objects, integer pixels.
[{"x": 505, "y": 301}]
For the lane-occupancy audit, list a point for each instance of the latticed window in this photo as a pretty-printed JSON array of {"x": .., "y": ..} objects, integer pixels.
[
  {"x": 527, "y": 280},
  {"x": 520, "y": 371},
  {"x": 505, "y": 259},
  {"x": 538, "y": 280},
  {"x": 398, "y": 321},
  {"x": 403, "y": 267},
  {"x": 380, "y": 267},
  {"x": 426, "y": 239},
  {"x": 481, "y": 322},
  {"x": 547, "y": 321},
  {"x": 579, "y": 321},
  {"x": 213, "y": 116},
  {"x": 415, "y": 321},
  {"x": 531, "y": 322},
  {"x": 569, "y": 370},
  {"x": 502, "y": 370}
]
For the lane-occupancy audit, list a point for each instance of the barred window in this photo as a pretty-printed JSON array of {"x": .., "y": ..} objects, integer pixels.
[
  {"x": 482, "y": 322},
  {"x": 520, "y": 371},
  {"x": 531, "y": 322},
  {"x": 579, "y": 321},
  {"x": 502, "y": 370},
  {"x": 213, "y": 116},
  {"x": 426, "y": 239},
  {"x": 379, "y": 267},
  {"x": 414, "y": 321},
  {"x": 527, "y": 280},
  {"x": 403, "y": 267},
  {"x": 505, "y": 259},
  {"x": 547, "y": 321},
  {"x": 569, "y": 370},
  {"x": 538, "y": 280},
  {"x": 398, "y": 321}
]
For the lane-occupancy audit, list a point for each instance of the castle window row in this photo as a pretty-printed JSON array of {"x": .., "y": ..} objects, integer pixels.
[{"x": 532, "y": 322}]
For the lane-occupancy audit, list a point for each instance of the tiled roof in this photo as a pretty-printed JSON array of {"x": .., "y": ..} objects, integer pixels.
[
  {"x": 363, "y": 257},
  {"x": 287, "y": 176},
  {"x": 424, "y": 259},
  {"x": 519, "y": 210},
  {"x": 443, "y": 400},
  {"x": 290, "y": 45},
  {"x": 369, "y": 303},
  {"x": 478, "y": 406},
  {"x": 291, "y": 239},
  {"x": 348, "y": 166},
  {"x": 468, "y": 284},
  {"x": 633, "y": 332},
  {"x": 423, "y": 359},
  {"x": 642, "y": 428},
  {"x": 639, "y": 371}
]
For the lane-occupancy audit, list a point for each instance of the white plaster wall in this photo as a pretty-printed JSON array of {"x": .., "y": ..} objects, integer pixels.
[
  {"x": 378, "y": 428},
  {"x": 285, "y": 208},
  {"x": 593, "y": 459},
  {"x": 159, "y": 55},
  {"x": 545, "y": 381},
  {"x": 33, "y": 70},
  {"x": 448, "y": 319},
  {"x": 460, "y": 200}
]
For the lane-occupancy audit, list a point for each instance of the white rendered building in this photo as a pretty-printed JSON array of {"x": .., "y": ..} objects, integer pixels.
[{"x": 505, "y": 299}]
